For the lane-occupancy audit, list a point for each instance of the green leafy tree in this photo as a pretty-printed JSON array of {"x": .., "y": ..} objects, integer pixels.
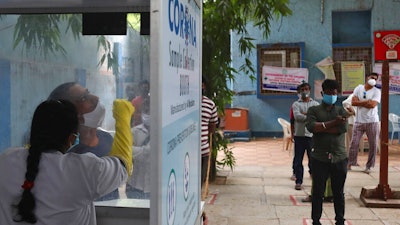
[
  {"x": 220, "y": 18},
  {"x": 42, "y": 32}
]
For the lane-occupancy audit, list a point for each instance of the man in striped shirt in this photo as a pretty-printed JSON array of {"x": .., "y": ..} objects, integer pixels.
[{"x": 209, "y": 120}]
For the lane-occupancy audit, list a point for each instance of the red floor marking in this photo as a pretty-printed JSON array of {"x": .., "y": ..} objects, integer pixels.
[
  {"x": 299, "y": 203},
  {"x": 212, "y": 200},
  {"x": 396, "y": 168},
  {"x": 293, "y": 199}
]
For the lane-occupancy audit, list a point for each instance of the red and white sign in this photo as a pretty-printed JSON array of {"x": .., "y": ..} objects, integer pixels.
[
  {"x": 394, "y": 77},
  {"x": 386, "y": 45},
  {"x": 282, "y": 78}
]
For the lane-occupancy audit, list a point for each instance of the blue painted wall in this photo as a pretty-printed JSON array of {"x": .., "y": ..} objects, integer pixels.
[
  {"x": 309, "y": 25},
  {"x": 5, "y": 125}
]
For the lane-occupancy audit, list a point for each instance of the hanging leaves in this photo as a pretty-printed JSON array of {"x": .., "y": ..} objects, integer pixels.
[
  {"x": 42, "y": 32},
  {"x": 220, "y": 19}
]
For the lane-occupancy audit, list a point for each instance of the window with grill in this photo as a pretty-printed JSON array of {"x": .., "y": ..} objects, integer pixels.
[
  {"x": 351, "y": 38},
  {"x": 279, "y": 55},
  {"x": 351, "y": 53}
]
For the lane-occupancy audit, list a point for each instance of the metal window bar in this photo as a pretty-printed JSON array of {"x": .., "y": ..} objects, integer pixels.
[
  {"x": 278, "y": 56},
  {"x": 341, "y": 54}
]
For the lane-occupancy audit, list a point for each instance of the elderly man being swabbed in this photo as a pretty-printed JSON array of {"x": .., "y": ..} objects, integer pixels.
[{"x": 91, "y": 113}]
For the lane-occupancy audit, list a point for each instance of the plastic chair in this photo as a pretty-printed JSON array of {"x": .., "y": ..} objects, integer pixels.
[
  {"x": 287, "y": 133},
  {"x": 394, "y": 120}
]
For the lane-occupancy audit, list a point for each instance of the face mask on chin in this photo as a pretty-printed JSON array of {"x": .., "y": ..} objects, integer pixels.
[
  {"x": 94, "y": 119},
  {"x": 329, "y": 99},
  {"x": 305, "y": 94},
  {"x": 372, "y": 82}
]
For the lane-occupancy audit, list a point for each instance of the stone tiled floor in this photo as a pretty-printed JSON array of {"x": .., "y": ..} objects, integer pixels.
[
  {"x": 259, "y": 191},
  {"x": 269, "y": 152}
]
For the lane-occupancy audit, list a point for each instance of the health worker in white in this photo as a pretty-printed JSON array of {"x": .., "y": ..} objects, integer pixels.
[{"x": 46, "y": 185}]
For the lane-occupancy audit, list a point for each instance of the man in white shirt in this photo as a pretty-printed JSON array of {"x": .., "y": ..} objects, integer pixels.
[{"x": 366, "y": 99}]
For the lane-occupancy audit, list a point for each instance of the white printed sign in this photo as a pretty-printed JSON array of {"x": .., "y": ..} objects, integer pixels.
[{"x": 283, "y": 79}]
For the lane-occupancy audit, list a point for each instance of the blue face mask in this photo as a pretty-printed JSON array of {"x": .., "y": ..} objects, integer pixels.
[
  {"x": 329, "y": 99},
  {"x": 75, "y": 143}
]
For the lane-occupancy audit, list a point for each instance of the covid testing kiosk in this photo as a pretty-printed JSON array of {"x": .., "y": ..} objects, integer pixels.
[{"x": 175, "y": 52}]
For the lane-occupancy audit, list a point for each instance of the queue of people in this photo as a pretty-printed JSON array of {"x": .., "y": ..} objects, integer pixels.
[
  {"x": 331, "y": 156},
  {"x": 69, "y": 121}
]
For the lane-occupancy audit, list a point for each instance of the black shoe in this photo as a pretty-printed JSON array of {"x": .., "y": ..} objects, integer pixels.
[
  {"x": 307, "y": 199},
  {"x": 328, "y": 199},
  {"x": 367, "y": 170}
]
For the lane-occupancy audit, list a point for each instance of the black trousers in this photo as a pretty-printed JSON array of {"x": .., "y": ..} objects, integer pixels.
[
  {"x": 321, "y": 172},
  {"x": 204, "y": 167}
]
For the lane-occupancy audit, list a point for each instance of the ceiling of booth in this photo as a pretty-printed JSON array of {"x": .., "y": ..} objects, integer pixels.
[{"x": 72, "y": 6}]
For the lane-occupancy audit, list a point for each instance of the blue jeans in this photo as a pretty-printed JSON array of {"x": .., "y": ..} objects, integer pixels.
[
  {"x": 135, "y": 193},
  {"x": 301, "y": 145},
  {"x": 110, "y": 196},
  {"x": 321, "y": 172}
]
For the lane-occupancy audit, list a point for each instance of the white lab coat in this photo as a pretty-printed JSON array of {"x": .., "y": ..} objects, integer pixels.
[
  {"x": 140, "y": 178},
  {"x": 64, "y": 188}
]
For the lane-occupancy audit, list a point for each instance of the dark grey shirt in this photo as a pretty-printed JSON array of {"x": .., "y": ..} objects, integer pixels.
[{"x": 327, "y": 147}]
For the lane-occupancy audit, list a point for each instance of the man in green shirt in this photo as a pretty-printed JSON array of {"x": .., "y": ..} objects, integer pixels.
[{"x": 328, "y": 124}]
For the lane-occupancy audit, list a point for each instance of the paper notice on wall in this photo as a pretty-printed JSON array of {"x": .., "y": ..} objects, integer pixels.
[
  {"x": 326, "y": 67},
  {"x": 353, "y": 74}
]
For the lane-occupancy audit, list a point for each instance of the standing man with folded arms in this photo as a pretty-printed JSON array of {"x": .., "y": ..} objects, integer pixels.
[
  {"x": 302, "y": 137},
  {"x": 366, "y": 98},
  {"x": 328, "y": 123}
]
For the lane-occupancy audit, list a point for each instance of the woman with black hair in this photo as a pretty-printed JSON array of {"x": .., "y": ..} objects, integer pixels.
[{"x": 43, "y": 185}]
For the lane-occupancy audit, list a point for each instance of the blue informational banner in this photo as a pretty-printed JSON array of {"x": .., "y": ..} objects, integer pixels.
[{"x": 180, "y": 68}]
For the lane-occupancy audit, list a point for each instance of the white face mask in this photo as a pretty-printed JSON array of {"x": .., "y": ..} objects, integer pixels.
[
  {"x": 372, "y": 82},
  {"x": 146, "y": 119},
  {"x": 94, "y": 119}
]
